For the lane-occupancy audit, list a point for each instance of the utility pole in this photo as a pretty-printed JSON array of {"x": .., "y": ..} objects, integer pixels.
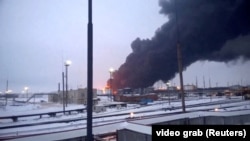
[
  {"x": 209, "y": 83},
  {"x": 59, "y": 87},
  {"x": 179, "y": 58},
  {"x": 204, "y": 85},
  {"x": 63, "y": 94},
  {"x": 66, "y": 79},
  {"x": 181, "y": 76},
  {"x": 196, "y": 81},
  {"x": 90, "y": 73}
]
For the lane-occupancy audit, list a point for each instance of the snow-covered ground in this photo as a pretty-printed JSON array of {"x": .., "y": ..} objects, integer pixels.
[
  {"x": 40, "y": 107},
  {"x": 154, "y": 108}
]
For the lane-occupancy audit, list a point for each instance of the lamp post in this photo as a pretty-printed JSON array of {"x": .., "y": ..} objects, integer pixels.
[
  {"x": 90, "y": 73},
  {"x": 26, "y": 89},
  {"x": 63, "y": 94},
  {"x": 67, "y": 64},
  {"x": 111, "y": 70}
]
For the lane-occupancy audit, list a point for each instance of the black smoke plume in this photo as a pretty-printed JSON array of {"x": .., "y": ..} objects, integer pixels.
[{"x": 216, "y": 30}]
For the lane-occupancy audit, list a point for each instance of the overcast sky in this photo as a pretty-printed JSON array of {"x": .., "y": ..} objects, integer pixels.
[{"x": 37, "y": 36}]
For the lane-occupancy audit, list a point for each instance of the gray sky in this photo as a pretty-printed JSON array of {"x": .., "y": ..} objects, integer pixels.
[{"x": 37, "y": 36}]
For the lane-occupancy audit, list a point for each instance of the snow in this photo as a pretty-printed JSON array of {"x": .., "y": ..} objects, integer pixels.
[
  {"x": 113, "y": 123},
  {"x": 11, "y": 110},
  {"x": 50, "y": 107}
]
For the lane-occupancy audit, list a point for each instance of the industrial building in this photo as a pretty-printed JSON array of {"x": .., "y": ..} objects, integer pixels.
[{"x": 78, "y": 96}]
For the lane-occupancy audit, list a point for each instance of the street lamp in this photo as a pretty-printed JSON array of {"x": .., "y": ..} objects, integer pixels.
[
  {"x": 63, "y": 94},
  {"x": 90, "y": 73},
  {"x": 26, "y": 89},
  {"x": 111, "y": 70},
  {"x": 67, "y": 64}
]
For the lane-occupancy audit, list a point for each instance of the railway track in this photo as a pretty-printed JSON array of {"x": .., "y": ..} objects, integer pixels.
[
  {"x": 14, "y": 131},
  {"x": 126, "y": 115}
]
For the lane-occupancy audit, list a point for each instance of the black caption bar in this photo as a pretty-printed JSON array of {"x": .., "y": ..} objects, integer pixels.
[{"x": 213, "y": 132}]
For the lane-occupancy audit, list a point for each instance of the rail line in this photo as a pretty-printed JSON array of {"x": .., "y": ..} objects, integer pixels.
[
  {"x": 125, "y": 115},
  {"x": 79, "y": 125}
]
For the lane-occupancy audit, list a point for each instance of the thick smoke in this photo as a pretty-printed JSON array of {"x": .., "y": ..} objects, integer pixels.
[{"x": 216, "y": 30}]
